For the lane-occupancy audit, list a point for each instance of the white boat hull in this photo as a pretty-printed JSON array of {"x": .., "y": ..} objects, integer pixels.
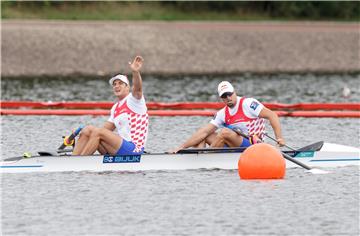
[{"x": 331, "y": 155}]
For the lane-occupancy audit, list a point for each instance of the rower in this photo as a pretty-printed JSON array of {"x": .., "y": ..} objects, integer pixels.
[
  {"x": 246, "y": 114},
  {"x": 128, "y": 116}
]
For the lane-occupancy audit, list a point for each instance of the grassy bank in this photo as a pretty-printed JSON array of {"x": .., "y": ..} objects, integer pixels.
[
  {"x": 120, "y": 11},
  {"x": 172, "y": 11}
]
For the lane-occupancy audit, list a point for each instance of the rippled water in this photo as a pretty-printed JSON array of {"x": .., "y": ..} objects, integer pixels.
[
  {"x": 180, "y": 203},
  {"x": 199, "y": 202}
]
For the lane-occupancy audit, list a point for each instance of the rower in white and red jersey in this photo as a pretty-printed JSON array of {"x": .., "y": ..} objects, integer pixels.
[
  {"x": 246, "y": 114},
  {"x": 128, "y": 116}
]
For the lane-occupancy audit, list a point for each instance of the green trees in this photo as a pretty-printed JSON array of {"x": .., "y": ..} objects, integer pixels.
[
  {"x": 187, "y": 10},
  {"x": 315, "y": 10}
]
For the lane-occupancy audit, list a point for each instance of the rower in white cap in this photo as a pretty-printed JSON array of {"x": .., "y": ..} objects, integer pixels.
[
  {"x": 246, "y": 114},
  {"x": 129, "y": 116}
]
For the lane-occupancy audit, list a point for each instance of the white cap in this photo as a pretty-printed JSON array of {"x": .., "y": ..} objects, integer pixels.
[
  {"x": 123, "y": 78},
  {"x": 225, "y": 87}
]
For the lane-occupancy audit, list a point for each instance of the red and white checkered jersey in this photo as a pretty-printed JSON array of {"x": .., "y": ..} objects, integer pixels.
[{"x": 131, "y": 120}]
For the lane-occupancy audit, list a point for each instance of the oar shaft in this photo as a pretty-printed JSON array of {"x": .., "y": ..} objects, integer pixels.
[
  {"x": 64, "y": 150},
  {"x": 289, "y": 158},
  {"x": 286, "y": 156},
  {"x": 212, "y": 150},
  {"x": 276, "y": 141}
]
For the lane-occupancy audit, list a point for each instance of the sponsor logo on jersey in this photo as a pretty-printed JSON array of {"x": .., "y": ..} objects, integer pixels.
[
  {"x": 235, "y": 121},
  {"x": 254, "y": 105},
  {"x": 122, "y": 159}
]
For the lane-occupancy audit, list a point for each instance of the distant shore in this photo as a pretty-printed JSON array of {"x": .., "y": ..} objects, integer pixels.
[{"x": 34, "y": 48}]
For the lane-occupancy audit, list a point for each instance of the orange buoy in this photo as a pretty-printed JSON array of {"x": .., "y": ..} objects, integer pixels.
[{"x": 261, "y": 161}]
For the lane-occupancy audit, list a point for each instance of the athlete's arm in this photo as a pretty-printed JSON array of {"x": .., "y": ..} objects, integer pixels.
[
  {"x": 275, "y": 124},
  {"x": 136, "y": 77},
  {"x": 197, "y": 137}
]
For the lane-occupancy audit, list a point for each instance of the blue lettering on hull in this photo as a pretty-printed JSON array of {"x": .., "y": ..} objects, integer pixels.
[{"x": 122, "y": 159}]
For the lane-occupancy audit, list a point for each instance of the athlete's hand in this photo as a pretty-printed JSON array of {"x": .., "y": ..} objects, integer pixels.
[
  {"x": 136, "y": 64},
  {"x": 280, "y": 141}
]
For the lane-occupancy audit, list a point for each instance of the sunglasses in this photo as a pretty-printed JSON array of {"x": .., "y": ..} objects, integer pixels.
[{"x": 227, "y": 94}]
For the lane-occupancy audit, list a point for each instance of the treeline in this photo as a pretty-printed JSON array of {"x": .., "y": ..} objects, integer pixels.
[{"x": 299, "y": 10}]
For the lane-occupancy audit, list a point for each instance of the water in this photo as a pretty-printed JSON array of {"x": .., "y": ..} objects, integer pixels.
[
  {"x": 197, "y": 202},
  {"x": 267, "y": 88},
  {"x": 34, "y": 133},
  {"x": 180, "y": 203}
]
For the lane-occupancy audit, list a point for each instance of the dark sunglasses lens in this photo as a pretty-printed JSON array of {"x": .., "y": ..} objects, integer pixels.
[{"x": 225, "y": 95}]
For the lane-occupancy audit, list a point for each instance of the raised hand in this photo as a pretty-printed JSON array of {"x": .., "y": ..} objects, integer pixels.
[{"x": 136, "y": 64}]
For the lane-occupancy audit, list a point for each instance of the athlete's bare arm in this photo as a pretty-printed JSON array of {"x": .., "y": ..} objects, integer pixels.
[
  {"x": 275, "y": 124},
  {"x": 136, "y": 77}
]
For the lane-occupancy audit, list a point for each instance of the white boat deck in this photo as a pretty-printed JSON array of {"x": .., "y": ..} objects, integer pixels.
[{"x": 330, "y": 155}]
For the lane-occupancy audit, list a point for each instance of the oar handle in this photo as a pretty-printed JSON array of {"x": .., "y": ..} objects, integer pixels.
[
  {"x": 72, "y": 136},
  {"x": 286, "y": 156}
]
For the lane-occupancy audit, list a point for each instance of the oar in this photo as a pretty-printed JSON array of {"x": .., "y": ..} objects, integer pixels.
[
  {"x": 212, "y": 150},
  {"x": 292, "y": 149},
  {"x": 286, "y": 156},
  {"x": 71, "y": 137}
]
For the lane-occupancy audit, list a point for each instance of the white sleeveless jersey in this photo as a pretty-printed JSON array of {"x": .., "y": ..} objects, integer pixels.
[{"x": 244, "y": 115}]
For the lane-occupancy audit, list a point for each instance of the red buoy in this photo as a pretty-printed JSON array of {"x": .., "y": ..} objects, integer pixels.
[{"x": 261, "y": 161}]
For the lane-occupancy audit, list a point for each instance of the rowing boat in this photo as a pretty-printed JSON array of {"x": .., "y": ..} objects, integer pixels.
[{"x": 319, "y": 154}]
